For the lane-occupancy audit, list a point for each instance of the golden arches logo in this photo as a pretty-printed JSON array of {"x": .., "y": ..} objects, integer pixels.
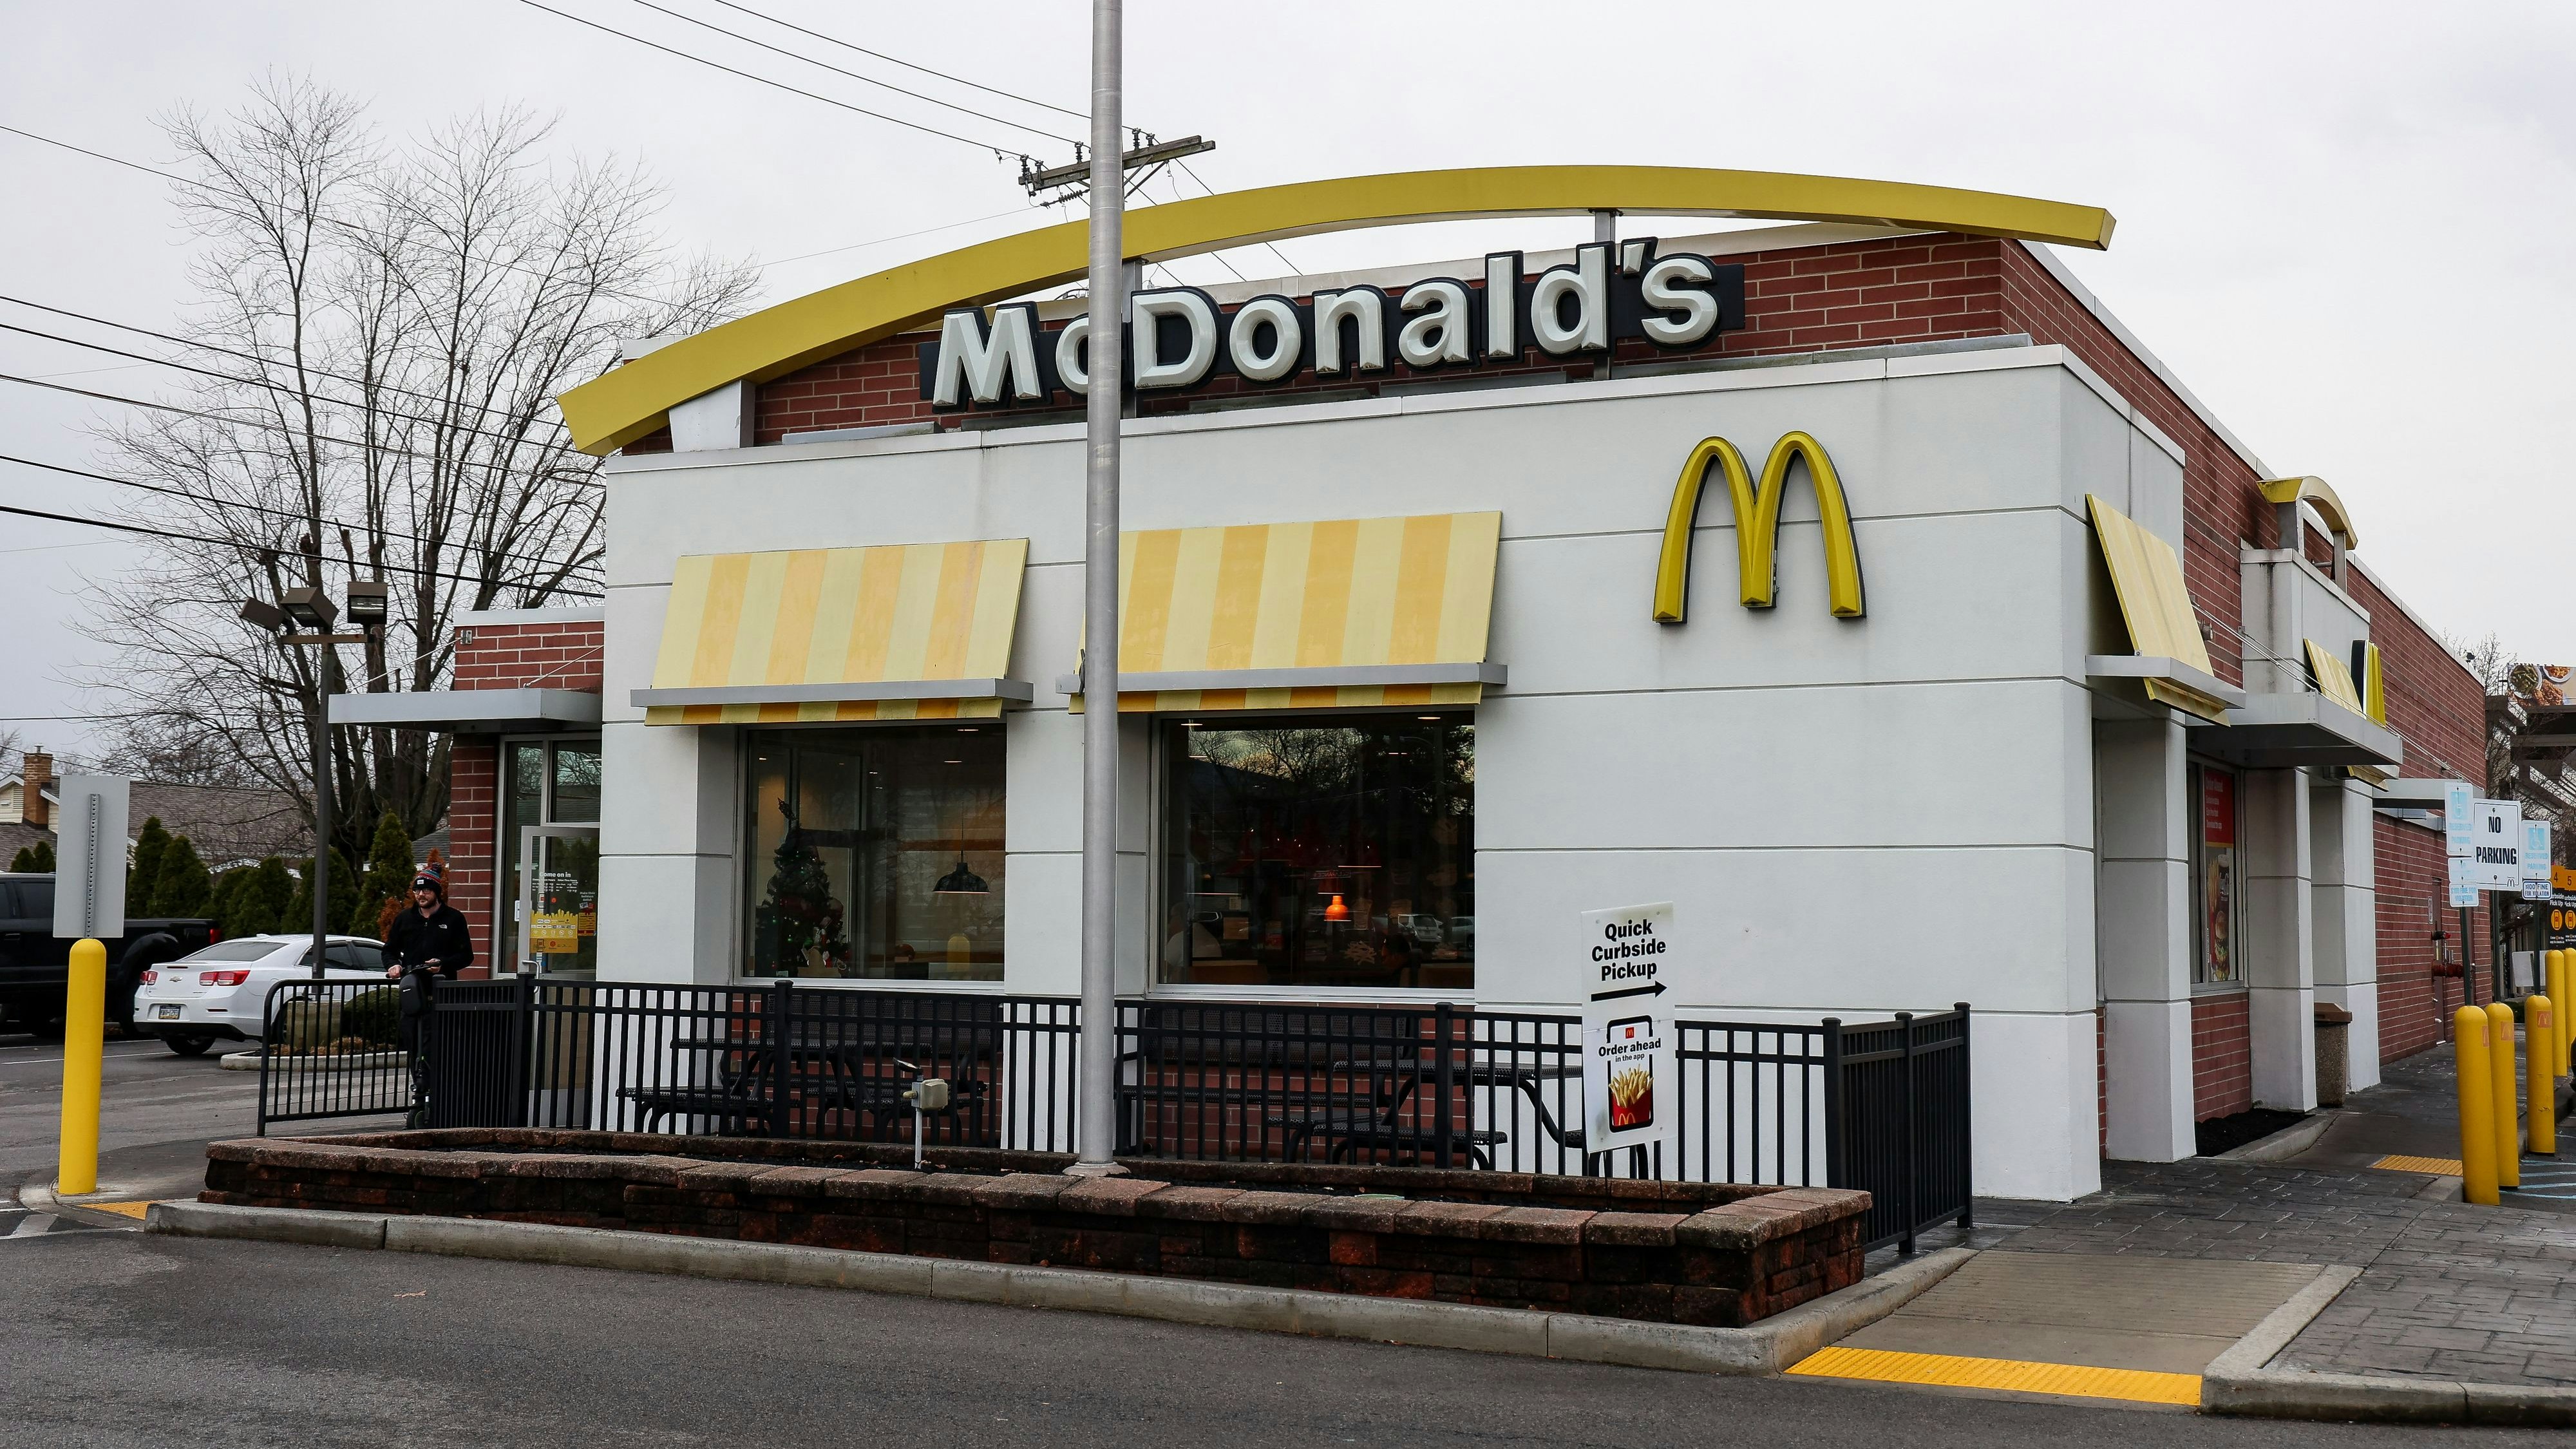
[{"x": 1757, "y": 526}]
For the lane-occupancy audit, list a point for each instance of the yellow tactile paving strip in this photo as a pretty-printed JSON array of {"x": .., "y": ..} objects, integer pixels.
[
  {"x": 2438, "y": 1166},
  {"x": 121, "y": 1209},
  {"x": 1883, "y": 1366}
]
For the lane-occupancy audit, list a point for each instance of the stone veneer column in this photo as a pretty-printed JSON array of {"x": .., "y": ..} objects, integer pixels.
[
  {"x": 2143, "y": 921},
  {"x": 2279, "y": 955}
]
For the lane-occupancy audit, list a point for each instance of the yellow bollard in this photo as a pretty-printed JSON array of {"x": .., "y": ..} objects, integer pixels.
[
  {"x": 2508, "y": 1114},
  {"x": 2469, "y": 1032},
  {"x": 2559, "y": 991},
  {"x": 84, "y": 1039},
  {"x": 2540, "y": 1089},
  {"x": 2548, "y": 987}
]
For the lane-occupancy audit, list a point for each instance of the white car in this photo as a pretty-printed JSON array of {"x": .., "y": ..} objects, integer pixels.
[{"x": 220, "y": 991}]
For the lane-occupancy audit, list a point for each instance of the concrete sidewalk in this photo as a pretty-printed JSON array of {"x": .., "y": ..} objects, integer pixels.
[{"x": 2170, "y": 1262}]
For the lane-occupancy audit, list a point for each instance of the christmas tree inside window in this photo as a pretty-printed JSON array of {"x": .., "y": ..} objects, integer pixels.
[{"x": 875, "y": 853}]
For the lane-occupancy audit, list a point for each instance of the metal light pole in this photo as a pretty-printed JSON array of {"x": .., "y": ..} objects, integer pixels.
[
  {"x": 311, "y": 611},
  {"x": 321, "y": 810},
  {"x": 1096, "y": 1137}
]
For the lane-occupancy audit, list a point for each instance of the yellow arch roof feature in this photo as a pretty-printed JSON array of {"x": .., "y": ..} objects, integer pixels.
[
  {"x": 630, "y": 401},
  {"x": 2317, "y": 495}
]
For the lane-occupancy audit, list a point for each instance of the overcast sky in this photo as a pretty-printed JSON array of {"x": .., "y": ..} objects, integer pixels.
[{"x": 2342, "y": 224}]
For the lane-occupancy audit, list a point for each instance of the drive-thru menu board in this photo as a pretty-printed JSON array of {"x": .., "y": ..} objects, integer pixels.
[{"x": 1630, "y": 1084}]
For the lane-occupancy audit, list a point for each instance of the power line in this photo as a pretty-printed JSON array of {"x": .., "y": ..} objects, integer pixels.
[
  {"x": 252, "y": 507},
  {"x": 237, "y": 543},
  {"x": 236, "y": 352},
  {"x": 764, "y": 80},
  {"x": 854, "y": 75},
  {"x": 281, "y": 389},
  {"x": 347, "y": 226},
  {"x": 901, "y": 236},
  {"x": 136, "y": 402},
  {"x": 907, "y": 65},
  {"x": 1271, "y": 247}
]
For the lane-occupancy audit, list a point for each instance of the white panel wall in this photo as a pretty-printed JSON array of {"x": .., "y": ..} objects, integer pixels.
[
  {"x": 2345, "y": 909},
  {"x": 2280, "y": 938},
  {"x": 2145, "y": 930},
  {"x": 1857, "y": 816}
]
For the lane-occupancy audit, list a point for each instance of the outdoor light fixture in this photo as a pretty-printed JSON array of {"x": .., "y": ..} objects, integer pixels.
[
  {"x": 261, "y": 614},
  {"x": 367, "y": 605},
  {"x": 310, "y": 608}
]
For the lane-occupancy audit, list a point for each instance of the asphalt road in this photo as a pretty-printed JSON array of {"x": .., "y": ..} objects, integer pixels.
[
  {"x": 117, "y": 1338},
  {"x": 112, "y": 1337},
  {"x": 157, "y": 1111}
]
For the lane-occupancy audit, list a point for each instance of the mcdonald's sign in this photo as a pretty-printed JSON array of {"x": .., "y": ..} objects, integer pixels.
[{"x": 1757, "y": 526}]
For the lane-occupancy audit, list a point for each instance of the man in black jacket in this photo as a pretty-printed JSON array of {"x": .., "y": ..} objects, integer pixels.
[
  {"x": 427, "y": 941},
  {"x": 430, "y": 937}
]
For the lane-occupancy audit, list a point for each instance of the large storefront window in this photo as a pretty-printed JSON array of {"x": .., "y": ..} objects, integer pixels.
[
  {"x": 875, "y": 853},
  {"x": 1336, "y": 852},
  {"x": 2215, "y": 890}
]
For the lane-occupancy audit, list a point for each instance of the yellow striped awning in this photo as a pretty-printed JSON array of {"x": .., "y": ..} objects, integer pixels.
[
  {"x": 2334, "y": 681},
  {"x": 1338, "y": 614},
  {"x": 899, "y": 631},
  {"x": 2146, "y": 575}
]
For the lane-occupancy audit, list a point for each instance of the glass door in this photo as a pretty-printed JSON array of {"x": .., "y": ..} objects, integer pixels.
[{"x": 559, "y": 900}]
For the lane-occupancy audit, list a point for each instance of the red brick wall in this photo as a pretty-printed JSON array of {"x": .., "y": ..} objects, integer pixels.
[
  {"x": 2413, "y": 899},
  {"x": 510, "y": 656},
  {"x": 473, "y": 805},
  {"x": 1858, "y": 294},
  {"x": 556, "y": 655},
  {"x": 2433, "y": 700},
  {"x": 2222, "y": 1055}
]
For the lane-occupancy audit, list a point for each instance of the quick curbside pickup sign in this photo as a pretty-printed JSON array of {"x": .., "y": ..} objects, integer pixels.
[{"x": 1630, "y": 1072}]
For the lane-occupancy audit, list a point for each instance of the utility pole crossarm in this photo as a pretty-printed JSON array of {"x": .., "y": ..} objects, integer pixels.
[{"x": 1079, "y": 173}]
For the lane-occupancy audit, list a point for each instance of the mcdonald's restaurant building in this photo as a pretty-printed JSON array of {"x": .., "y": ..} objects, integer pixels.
[{"x": 1859, "y": 585}]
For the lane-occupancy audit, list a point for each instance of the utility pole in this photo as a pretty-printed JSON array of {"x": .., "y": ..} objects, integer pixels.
[{"x": 1096, "y": 1112}]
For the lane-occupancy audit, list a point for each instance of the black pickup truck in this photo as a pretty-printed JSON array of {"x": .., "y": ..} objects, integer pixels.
[{"x": 35, "y": 963}]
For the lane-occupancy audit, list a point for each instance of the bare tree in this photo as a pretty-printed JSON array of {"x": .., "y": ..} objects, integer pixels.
[
  {"x": 2486, "y": 658},
  {"x": 391, "y": 323}
]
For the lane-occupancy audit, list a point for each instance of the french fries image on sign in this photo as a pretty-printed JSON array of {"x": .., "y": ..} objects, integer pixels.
[{"x": 1632, "y": 1095}]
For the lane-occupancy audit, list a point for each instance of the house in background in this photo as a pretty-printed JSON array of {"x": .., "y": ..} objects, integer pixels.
[{"x": 229, "y": 825}]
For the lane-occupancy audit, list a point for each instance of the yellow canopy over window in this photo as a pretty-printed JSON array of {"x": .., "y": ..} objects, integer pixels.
[
  {"x": 1337, "y": 614},
  {"x": 2146, "y": 575},
  {"x": 899, "y": 631}
]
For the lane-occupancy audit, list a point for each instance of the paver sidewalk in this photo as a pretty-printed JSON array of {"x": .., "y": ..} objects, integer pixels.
[{"x": 2447, "y": 1291}]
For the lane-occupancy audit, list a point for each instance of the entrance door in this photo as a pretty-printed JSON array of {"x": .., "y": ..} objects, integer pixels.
[{"x": 559, "y": 899}]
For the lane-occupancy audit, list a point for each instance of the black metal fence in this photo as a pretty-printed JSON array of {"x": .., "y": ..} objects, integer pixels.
[
  {"x": 1881, "y": 1106},
  {"x": 332, "y": 1049},
  {"x": 1897, "y": 1099}
]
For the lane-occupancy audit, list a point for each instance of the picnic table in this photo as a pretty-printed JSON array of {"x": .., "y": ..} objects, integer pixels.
[
  {"x": 824, "y": 1071},
  {"x": 1395, "y": 1080}
]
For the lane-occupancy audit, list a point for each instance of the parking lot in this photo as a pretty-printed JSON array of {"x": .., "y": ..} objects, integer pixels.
[{"x": 158, "y": 1110}]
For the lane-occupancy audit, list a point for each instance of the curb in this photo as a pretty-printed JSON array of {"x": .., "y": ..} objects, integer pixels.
[
  {"x": 37, "y": 1195},
  {"x": 2237, "y": 1383},
  {"x": 1765, "y": 1348},
  {"x": 2289, "y": 1142},
  {"x": 248, "y": 1061}
]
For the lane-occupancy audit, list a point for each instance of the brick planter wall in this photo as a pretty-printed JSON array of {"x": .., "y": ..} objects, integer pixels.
[{"x": 1666, "y": 1252}]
